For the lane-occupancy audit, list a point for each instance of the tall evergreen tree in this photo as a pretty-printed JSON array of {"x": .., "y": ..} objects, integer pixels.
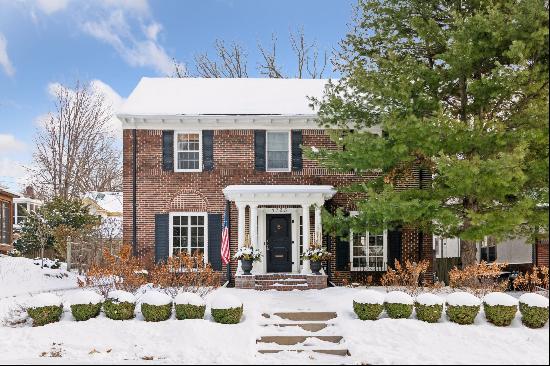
[{"x": 459, "y": 90}]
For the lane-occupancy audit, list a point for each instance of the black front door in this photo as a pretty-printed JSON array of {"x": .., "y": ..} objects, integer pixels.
[{"x": 279, "y": 243}]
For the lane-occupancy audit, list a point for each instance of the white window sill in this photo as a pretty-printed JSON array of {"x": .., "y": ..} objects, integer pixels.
[{"x": 187, "y": 170}]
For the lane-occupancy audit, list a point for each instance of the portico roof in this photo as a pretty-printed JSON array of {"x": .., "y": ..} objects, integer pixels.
[{"x": 279, "y": 194}]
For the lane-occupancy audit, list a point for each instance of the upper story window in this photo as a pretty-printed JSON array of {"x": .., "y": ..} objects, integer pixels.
[
  {"x": 188, "y": 151},
  {"x": 369, "y": 251},
  {"x": 278, "y": 151},
  {"x": 188, "y": 234}
]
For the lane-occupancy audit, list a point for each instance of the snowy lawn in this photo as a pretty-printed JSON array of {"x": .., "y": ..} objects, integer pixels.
[{"x": 405, "y": 341}]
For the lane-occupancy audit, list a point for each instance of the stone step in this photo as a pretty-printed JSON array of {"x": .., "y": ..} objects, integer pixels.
[
  {"x": 310, "y": 316},
  {"x": 271, "y": 276},
  {"x": 281, "y": 282},
  {"x": 309, "y": 327},
  {"x": 294, "y": 340},
  {"x": 335, "y": 352}
]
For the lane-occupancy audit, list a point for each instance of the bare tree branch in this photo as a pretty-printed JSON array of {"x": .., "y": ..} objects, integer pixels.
[
  {"x": 230, "y": 62},
  {"x": 269, "y": 66}
]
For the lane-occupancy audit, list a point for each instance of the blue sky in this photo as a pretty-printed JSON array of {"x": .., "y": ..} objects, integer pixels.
[{"x": 116, "y": 42}]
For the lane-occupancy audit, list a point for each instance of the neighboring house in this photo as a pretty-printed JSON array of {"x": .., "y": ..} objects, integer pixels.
[
  {"x": 6, "y": 219},
  {"x": 193, "y": 147},
  {"x": 108, "y": 205}
]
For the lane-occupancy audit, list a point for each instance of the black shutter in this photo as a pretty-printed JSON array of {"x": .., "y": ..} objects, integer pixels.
[
  {"x": 162, "y": 241},
  {"x": 215, "y": 241},
  {"x": 342, "y": 254},
  {"x": 394, "y": 247},
  {"x": 168, "y": 150},
  {"x": 208, "y": 150},
  {"x": 296, "y": 150},
  {"x": 259, "y": 150}
]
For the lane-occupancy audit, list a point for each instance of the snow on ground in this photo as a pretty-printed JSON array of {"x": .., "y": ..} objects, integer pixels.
[{"x": 387, "y": 341}]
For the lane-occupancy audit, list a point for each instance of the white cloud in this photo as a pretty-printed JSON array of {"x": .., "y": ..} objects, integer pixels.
[
  {"x": 4, "y": 59},
  {"x": 13, "y": 173},
  {"x": 136, "y": 50},
  {"x": 52, "y": 6},
  {"x": 9, "y": 144},
  {"x": 140, "y": 7}
]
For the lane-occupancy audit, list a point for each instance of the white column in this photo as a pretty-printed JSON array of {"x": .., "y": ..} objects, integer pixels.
[
  {"x": 305, "y": 233},
  {"x": 240, "y": 231},
  {"x": 318, "y": 224},
  {"x": 254, "y": 226}
]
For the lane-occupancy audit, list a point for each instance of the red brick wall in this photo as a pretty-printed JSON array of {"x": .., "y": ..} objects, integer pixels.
[
  {"x": 541, "y": 248},
  {"x": 161, "y": 191}
]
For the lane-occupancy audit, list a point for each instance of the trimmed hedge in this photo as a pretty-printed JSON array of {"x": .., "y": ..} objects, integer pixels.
[
  {"x": 82, "y": 312},
  {"x": 156, "y": 313},
  {"x": 500, "y": 315},
  {"x": 462, "y": 314},
  {"x": 45, "y": 314},
  {"x": 119, "y": 310},
  {"x": 398, "y": 311},
  {"x": 533, "y": 316},
  {"x": 428, "y": 313},
  {"x": 227, "y": 316},
  {"x": 188, "y": 311},
  {"x": 367, "y": 311}
]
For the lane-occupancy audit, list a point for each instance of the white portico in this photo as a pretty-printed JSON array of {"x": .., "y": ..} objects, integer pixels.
[{"x": 273, "y": 207}]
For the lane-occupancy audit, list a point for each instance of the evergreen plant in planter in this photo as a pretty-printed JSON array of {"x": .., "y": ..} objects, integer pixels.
[
  {"x": 226, "y": 309},
  {"x": 429, "y": 307},
  {"x": 500, "y": 308},
  {"x": 44, "y": 309},
  {"x": 398, "y": 305},
  {"x": 86, "y": 305},
  {"x": 189, "y": 306},
  {"x": 247, "y": 255},
  {"x": 462, "y": 307},
  {"x": 119, "y": 305},
  {"x": 368, "y": 304},
  {"x": 156, "y": 306},
  {"x": 534, "y": 310},
  {"x": 315, "y": 255}
]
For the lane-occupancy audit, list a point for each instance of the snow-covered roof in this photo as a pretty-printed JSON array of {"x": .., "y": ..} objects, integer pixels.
[
  {"x": 222, "y": 96},
  {"x": 108, "y": 201}
]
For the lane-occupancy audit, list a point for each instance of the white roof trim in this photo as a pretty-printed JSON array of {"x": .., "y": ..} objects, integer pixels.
[{"x": 279, "y": 194}]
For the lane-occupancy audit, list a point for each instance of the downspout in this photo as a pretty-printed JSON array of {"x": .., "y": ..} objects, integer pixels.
[{"x": 134, "y": 189}]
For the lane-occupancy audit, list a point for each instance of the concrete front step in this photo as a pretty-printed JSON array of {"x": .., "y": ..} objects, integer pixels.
[
  {"x": 309, "y": 327},
  {"x": 294, "y": 340},
  {"x": 281, "y": 276},
  {"x": 311, "y": 316},
  {"x": 335, "y": 352}
]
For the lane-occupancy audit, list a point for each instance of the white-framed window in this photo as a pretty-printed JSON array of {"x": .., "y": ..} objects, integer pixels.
[
  {"x": 277, "y": 151},
  {"x": 188, "y": 233},
  {"x": 188, "y": 151},
  {"x": 369, "y": 252}
]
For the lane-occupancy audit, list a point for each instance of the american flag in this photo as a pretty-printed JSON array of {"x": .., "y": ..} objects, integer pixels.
[{"x": 225, "y": 238}]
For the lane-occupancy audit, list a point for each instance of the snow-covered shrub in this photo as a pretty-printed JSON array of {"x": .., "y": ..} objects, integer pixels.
[
  {"x": 405, "y": 276},
  {"x": 85, "y": 305},
  {"x": 368, "y": 304},
  {"x": 14, "y": 253},
  {"x": 189, "y": 306},
  {"x": 226, "y": 309},
  {"x": 398, "y": 304},
  {"x": 462, "y": 307},
  {"x": 500, "y": 308},
  {"x": 429, "y": 307},
  {"x": 44, "y": 309},
  {"x": 156, "y": 306},
  {"x": 119, "y": 305},
  {"x": 534, "y": 310}
]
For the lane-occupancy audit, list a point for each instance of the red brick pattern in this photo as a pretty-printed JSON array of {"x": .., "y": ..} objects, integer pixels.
[
  {"x": 160, "y": 191},
  {"x": 541, "y": 248}
]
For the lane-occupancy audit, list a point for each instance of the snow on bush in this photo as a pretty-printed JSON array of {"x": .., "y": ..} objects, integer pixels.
[
  {"x": 121, "y": 296},
  {"x": 156, "y": 306},
  {"x": 500, "y": 308},
  {"x": 85, "y": 297},
  {"x": 462, "y": 307},
  {"x": 398, "y": 304},
  {"x": 534, "y": 310},
  {"x": 156, "y": 298},
  {"x": 44, "y": 309},
  {"x": 226, "y": 309},
  {"x": 189, "y": 298},
  {"x": 429, "y": 307},
  {"x": 85, "y": 305},
  {"x": 189, "y": 306},
  {"x": 368, "y": 304}
]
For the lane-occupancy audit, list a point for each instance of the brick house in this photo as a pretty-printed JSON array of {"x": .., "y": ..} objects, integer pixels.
[
  {"x": 6, "y": 220},
  {"x": 196, "y": 148}
]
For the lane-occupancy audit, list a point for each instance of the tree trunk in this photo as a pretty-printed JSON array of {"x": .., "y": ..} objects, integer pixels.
[{"x": 468, "y": 251}]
